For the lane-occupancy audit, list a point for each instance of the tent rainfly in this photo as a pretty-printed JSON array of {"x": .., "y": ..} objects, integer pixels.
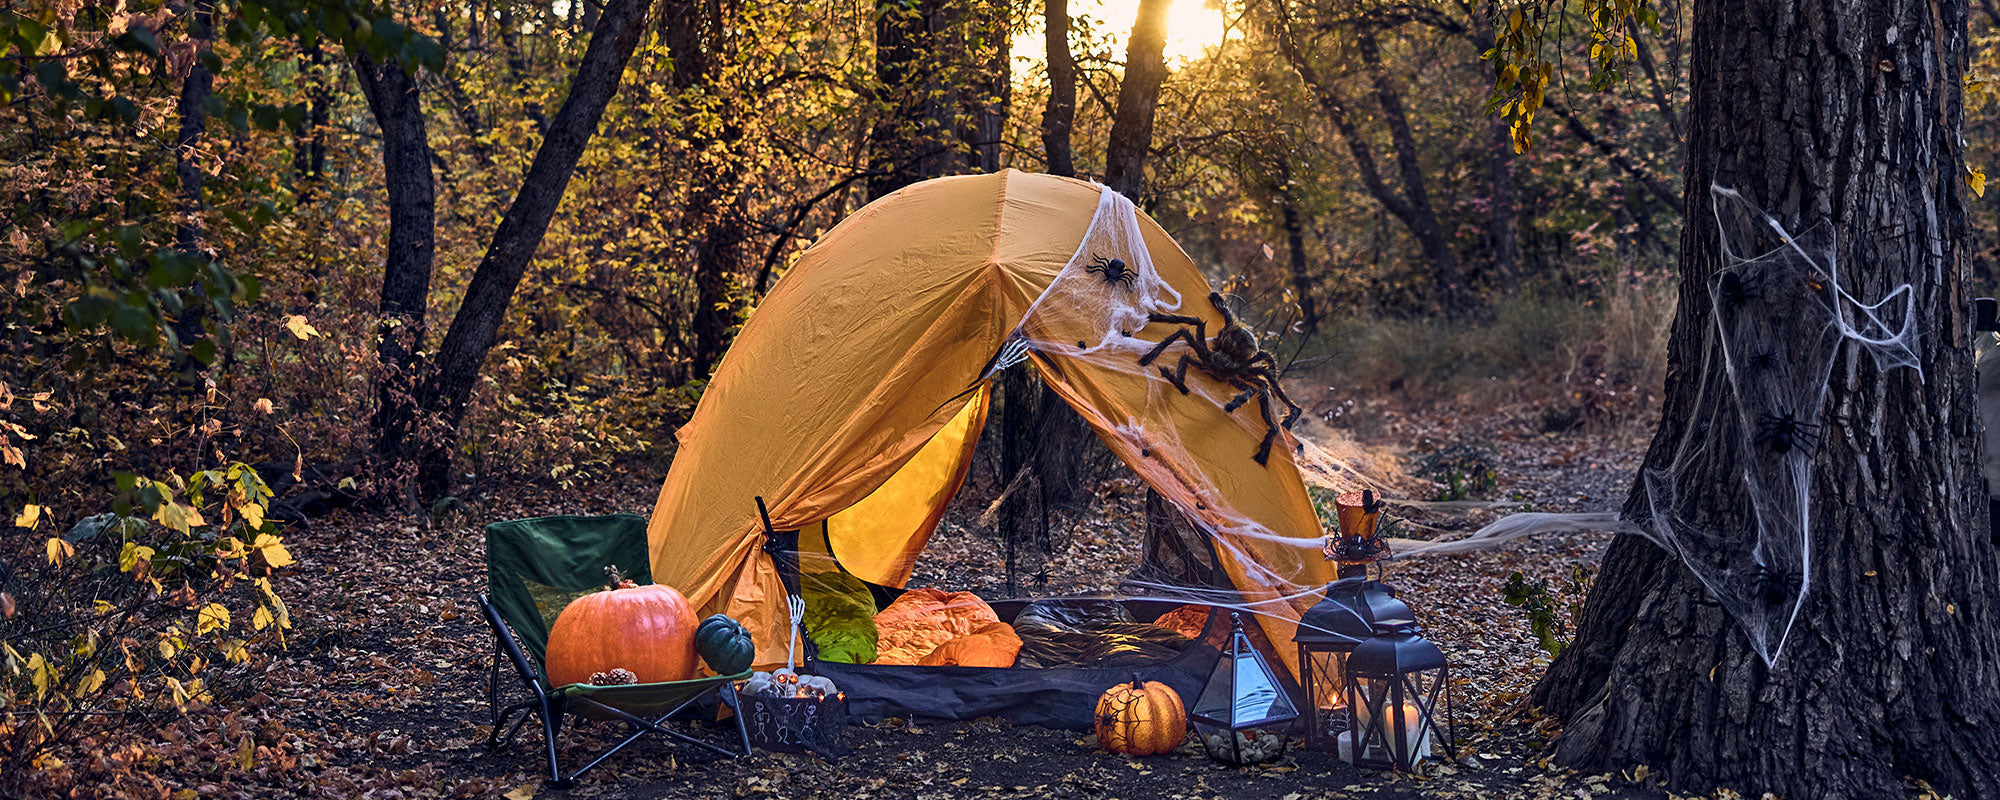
[{"x": 853, "y": 397}]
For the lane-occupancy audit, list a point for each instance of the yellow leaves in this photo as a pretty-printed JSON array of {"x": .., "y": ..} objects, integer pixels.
[
  {"x": 272, "y": 549},
  {"x": 253, "y": 515},
  {"x": 91, "y": 682},
  {"x": 132, "y": 555},
  {"x": 1975, "y": 178},
  {"x": 59, "y": 550},
  {"x": 300, "y": 328},
  {"x": 184, "y": 693},
  {"x": 178, "y": 516},
  {"x": 524, "y": 791},
  {"x": 30, "y": 514},
  {"x": 167, "y": 648},
  {"x": 212, "y": 617},
  {"x": 262, "y": 406},
  {"x": 246, "y": 754},
  {"x": 41, "y": 674},
  {"x": 262, "y": 618},
  {"x": 235, "y": 651}
]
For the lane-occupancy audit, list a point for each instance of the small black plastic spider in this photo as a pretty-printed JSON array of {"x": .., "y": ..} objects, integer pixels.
[
  {"x": 1764, "y": 361},
  {"x": 1736, "y": 289},
  {"x": 1113, "y": 270},
  {"x": 1775, "y": 587},
  {"x": 1782, "y": 432}
]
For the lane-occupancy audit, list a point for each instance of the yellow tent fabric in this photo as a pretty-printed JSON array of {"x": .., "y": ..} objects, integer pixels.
[{"x": 849, "y": 369}]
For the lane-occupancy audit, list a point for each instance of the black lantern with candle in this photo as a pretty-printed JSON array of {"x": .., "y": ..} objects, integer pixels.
[
  {"x": 1353, "y": 611},
  {"x": 1398, "y": 702},
  {"x": 1243, "y": 712}
]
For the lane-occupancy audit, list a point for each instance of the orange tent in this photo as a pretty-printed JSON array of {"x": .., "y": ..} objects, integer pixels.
[{"x": 844, "y": 401}]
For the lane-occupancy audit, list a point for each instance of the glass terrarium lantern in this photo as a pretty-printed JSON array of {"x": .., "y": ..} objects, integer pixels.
[
  {"x": 1353, "y": 611},
  {"x": 1398, "y": 699},
  {"x": 1243, "y": 713}
]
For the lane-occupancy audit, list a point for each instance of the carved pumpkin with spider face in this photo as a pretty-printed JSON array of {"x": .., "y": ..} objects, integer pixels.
[{"x": 1141, "y": 719}]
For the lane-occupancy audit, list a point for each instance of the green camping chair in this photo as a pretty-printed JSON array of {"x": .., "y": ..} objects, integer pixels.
[{"x": 534, "y": 567}]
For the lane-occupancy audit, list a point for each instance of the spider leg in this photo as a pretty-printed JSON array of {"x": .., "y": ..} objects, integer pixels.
[
  {"x": 1263, "y": 455},
  {"x": 1238, "y": 401},
  {"x": 1292, "y": 416},
  {"x": 1215, "y": 299},
  {"x": 1178, "y": 375},
  {"x": 1179, "y": 334}
]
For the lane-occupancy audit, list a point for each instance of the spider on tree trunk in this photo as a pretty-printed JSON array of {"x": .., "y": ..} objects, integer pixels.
[
  {"x": 1782, "y": 432},
  {"x": 1232, "y": 357}
]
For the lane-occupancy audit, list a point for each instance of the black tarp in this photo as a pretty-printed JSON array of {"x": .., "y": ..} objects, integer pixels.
[{"x": 1056, "y": 697}]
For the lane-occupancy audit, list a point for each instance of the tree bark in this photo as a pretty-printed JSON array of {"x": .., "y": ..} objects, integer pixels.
[
  {"x": 986, "y": 41},
  {"x": 1295, "y": 246},
  {"x": 1845, "y": 113},
  {"x": 188, "y": 144},
  {"x": 446, "y": 390},
  {"x": 1418, "y": 218},
  {"x": 1138, "y": 99},
  {"x": 394, "y": 100},
  {"x": 1449, "y": 278},
  {"x": 1060, "y": 117},
  {"x": 914, "y": 137},
  {"x": 695, "y": 34}
]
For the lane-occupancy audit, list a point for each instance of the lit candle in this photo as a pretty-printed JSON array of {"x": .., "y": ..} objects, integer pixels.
[{"x": 1416, "y": 737}]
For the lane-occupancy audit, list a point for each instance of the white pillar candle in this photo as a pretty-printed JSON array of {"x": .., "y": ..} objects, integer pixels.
[{"x": 1415, "y": 735}]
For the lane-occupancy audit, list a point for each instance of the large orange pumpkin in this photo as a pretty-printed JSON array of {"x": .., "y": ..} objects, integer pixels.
[
  {"x": 648, "y": 630},
  {"x": 1141, "y": 719}
]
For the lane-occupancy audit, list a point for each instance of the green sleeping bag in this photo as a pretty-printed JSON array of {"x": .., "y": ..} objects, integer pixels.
[{"x": 840, "y": 616}]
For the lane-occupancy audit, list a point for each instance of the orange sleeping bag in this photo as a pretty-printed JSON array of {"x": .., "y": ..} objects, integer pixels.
[
  {"x": 994, "y": 644},
  {"x": 922, "y": 619}
]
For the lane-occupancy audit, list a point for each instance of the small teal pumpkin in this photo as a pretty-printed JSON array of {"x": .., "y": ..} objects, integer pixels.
[{"x": 724, "y": 644}]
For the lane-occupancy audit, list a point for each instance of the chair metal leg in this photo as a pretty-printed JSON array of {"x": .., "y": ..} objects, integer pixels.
[
  {"x": 730, "y": 699},
  {"x": 551, "y": 727}
]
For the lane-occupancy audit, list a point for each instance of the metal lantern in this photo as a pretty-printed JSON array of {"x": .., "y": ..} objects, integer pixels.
[
  {"x": 1398, "y": 699},
  {"x": 1353, "y": 611},
  {"x": 1243, "y": 712}
]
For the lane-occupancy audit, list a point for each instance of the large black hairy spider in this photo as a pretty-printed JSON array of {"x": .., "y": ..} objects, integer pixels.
[
  {"x": 1113, "y": 270},
  {"x": 1782, "y": 432},
  {"x": 1737, "y": 288},
  {"x": 1233, "y": 358},
  {"x": 1775, "y": 586}
]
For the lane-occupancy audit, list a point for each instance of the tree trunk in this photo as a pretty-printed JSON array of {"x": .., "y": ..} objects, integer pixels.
[
  {"x": 188, "y": 145},
  {"x": 1060, "y": 117},
  {"x": 446, "y": 391},
  {"x": 694, "y": 36},
  {"x": 987, "y": 44},
  {"x": 1845, "y": 113},
  {"x": 1138, "y": 99},
  {"x": 1295, "y": 246},
  {"x": 1447, "y": 276},
  {"x": 394, "y": 100},
  {"x": 1417, "y": 217},
  {"x": 914, "y": 139}
]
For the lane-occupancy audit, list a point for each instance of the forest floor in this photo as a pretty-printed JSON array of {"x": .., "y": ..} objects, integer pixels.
[{"x": 382, "y": 692}]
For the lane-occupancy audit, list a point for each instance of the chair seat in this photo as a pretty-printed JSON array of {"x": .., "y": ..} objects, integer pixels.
[{"x": 649, "y": 699}]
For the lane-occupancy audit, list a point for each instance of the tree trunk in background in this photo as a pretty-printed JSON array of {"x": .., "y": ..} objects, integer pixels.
[
  {"x": 394, "y": 100},
  {"x": 694, "y": 34},
  {"x": 1449, "y": 278},
  {"x": 987, "y": 44},
  {"x": 1019, "y": 398},
  {"x": 914, "y": 139},
  {"x": 444, "y": 393},
  {"x": 1417, "y": 217},
  {"x": 1295, "y": 248},
  {"x": 1503, "y": 217},
  {"x": 188, "y": 145},
  {"x": 1060, "y": 117},
  {"x": 1138, "y": 99},
  {"x": 1846, "y": 113}
]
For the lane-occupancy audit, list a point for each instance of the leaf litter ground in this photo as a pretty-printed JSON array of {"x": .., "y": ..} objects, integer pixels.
[{"x": 383, "y": 690}]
